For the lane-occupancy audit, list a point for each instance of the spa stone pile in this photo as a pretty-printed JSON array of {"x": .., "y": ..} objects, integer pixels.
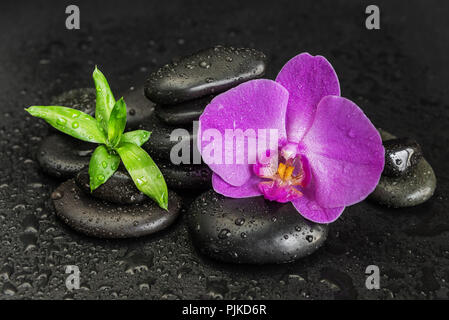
[
  {"x": 250, "y": 230},
  {"x": 182, "y": 90}
]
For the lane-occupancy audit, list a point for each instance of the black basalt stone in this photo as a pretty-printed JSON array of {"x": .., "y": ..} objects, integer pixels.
[
  {"x": 251, "y": 230},
  {"x": 138, "y": 106},
  {"x": 160, "y": 145},
  {"x": 187, "y": 177},
  {"x": 119, "y": 188},
  {"x": 84, "y": 99},
  {"x": 400, "y": 156},
  {"x": 183, "y": 113},
  {"x": 208, "y": 71},
  {"x": 107, "y": 220},
  {"x": 415, "y": 186},
  {"x": 62, "y": 156}
]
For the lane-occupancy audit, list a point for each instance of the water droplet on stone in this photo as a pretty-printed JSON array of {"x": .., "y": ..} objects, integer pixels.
[
  {"x": 224, "y": 233},
  {"x": 56, "y": 195}
]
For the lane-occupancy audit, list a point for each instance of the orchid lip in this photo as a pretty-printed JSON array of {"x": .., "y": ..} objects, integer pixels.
[{"x": 283, "y": 182}]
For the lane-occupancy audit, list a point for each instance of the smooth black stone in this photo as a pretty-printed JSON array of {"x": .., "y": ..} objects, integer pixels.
[
  {"x": 183, "y": 113},
  {"x": 208, "y": 71},
  {"x": 139, "y": 108},
  {"x": 62, "y": 156},
  {"x": 414, "y": 187},
  {"x": 400, "y": 156},
  {"x": 119, "y": 188},
  {"x": 251, "y": 230},
  {"x": 411, "y": 189},
  {"x": 187, "y": 177},
  {"x": 82, "y": 99},
  {"x": 159, "y": 144},
  {"x": 107, "y": 220}
]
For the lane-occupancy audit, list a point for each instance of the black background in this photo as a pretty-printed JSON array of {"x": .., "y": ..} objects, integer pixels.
[{"x": 397, "y": 74}]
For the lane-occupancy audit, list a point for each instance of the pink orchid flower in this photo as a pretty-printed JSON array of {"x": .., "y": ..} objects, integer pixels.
[{"x": 330, "y": 155}]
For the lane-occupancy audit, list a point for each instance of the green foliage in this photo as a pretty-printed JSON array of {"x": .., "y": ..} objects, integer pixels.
[{"x": 107, "y": 129}]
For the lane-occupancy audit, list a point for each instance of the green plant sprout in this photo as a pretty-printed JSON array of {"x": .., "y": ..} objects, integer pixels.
[{"x": 107, "y": 129}]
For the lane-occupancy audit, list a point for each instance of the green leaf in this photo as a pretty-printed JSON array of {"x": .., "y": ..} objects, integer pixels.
[
  {"x": 102, "y": 166},
  {"x": 144, "y": 172},
  {"x": 105, "y": 99},
  {"x": 138, "y": 137},
  {"x": 70, "y": 121},
  {"x": 117, "y": 122}
]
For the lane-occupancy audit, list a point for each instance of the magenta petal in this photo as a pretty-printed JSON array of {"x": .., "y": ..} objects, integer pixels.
[
  {"x": 311, "y": 210},
  {"x": 308, "y": 79},
  {"x": 256, "y": 104},
  {"x": 249, "y": 189},
  {"x": 345, "y": 153},
  {"x": 280, "y": 193}
]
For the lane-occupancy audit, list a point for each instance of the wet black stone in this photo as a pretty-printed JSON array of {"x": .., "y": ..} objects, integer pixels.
[
  {"x": 183, "y": 113},
  {"x": 206, "y": 72},
  {"x": 400, "y": 156},
  {"x": 414, "y": 187},
  {"x": 139, "y": 108},
  {"x": 251, "y": 230},
  {"x": 82, "y": 99},
  {"x": 159, "y": 145},
  {"x": 62, "y": 156},
  {"x": 119, "y": 188},
  {"x": 187, "y": 177},
  {"x": 107, "y": 220}
]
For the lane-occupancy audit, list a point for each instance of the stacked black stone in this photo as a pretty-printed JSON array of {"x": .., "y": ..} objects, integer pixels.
[
  {"x": 408, "y": 179},
  {"x": 117, "y": 209},
  {"x": 181, "y": 90}
]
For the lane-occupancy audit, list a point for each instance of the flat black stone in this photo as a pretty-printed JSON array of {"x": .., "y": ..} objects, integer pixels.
[
  {"x": 159, "y": 145},
  {"x": 187, "y": 177},
  {"x": 414, "y": 187},
  {"x": 251, "y": 230},
  {"x": 119, "y": 188},
  {"x": 139, "y": 108},
  {"x": 208, "y": 71},
  {"x": 401, "y": 155},
  {"x": 183, "y": 113},
  {"x": 107, "y": 220},
  {"x": 62, "y": 156},
  {"x": 82, "y": 99}
]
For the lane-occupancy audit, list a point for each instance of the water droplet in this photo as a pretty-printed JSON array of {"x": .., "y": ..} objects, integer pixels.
[
  {"x": 204, "y": 64},
  {"x": 104, "y": 164},
  {"x": 56, "y": 195},
  {"x": 75, "y": 125},
  {"x": 141, "y": 181},
  {"x": 239, "y": 221},
  {"x": 61, "y": 121},
  {"x": 100, "y": 177},
  {"x": 351, "y": 133},
  {"x": 224, "y": 233},
  {"x": 309, "y": 238}
]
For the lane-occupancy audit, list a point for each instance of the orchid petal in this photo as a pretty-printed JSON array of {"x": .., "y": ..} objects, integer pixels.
[
  {"x": 345, "y": 153},
  {"x": 308, "y": 79},
  {"x": 310, "y": 209},
  {"x": 256, "y": 104},
  {"x": 249, "y": 189}
]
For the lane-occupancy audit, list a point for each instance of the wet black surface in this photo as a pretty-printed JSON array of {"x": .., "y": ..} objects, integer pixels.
[
  {"x": 396, "y": 74},
  {"x": 251, "y": 231},
  {"x": 208, "y": 71},
  {"x": 104, "y": 219}
]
